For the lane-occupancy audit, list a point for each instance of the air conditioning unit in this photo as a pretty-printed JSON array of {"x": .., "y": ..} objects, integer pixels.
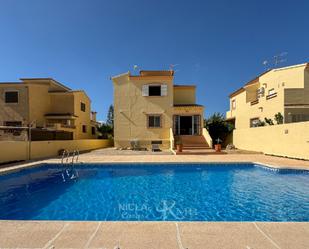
[{"x": 260, "y": 92}]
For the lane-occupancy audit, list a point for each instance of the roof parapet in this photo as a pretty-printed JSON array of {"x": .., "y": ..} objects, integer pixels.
[
  {"x": 48, "y": 80},
  {"x": 156, "y": 73}
]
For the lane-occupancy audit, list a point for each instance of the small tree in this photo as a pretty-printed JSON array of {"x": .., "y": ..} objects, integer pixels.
[
  {"x": 269, "y": 121},
  {"x": 217, "y": 127},
  {"x": 110, "y": 116},
  {"x": 106, "y": 130},
  {"x": 279, "y": 118}
]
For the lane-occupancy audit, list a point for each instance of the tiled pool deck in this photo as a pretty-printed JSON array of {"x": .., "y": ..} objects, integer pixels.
[{"x": 159, "y": 235}]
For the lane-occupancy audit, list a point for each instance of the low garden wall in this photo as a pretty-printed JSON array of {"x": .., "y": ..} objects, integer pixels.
[
  {"x": 288, "y": 140},
  {"x": 20, "y": 150}
]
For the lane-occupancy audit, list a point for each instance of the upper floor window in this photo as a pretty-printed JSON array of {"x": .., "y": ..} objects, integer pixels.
[
  {"x": 11, "y": 97},
  {"x": 233, "y": 104},
  {"x": 84, "y": 128},
  {"x": 93, "y": 130},
  {"x": 154, "y": 121},
  {"x": 82, "y": 106},
  {"x": 154, "y": 90}
]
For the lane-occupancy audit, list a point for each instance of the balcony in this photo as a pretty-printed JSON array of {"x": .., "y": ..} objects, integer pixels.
[
  {"x": 60, "y": 116},
  {"x": 59, "y": 126},
  {"x": 254, "y": 102},
  {"x": 68, "y": 126},
  {"x": 270, "y": 96}
]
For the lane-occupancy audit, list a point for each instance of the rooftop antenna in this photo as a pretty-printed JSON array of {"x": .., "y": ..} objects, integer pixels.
[
  {"x": 280, "y": 58},
  {"x": 172, "y": 67},
  {"x": 276, "y": 60}
]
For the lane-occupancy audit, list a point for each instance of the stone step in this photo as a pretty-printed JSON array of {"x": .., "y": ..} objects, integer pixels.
[
  {"x": 196, "y": 148},
  {"x": 200, "y": 152}
]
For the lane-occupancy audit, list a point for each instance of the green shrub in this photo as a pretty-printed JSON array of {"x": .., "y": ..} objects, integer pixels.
[
  {"x": 218, "y": 127},
  {"x": 279, "y": 118},
  {"x": 269, "y": 121}
]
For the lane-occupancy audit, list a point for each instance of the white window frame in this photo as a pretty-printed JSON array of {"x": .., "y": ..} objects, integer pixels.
[
  {"x": 233, "y": 104},
  {"x": 154, "y": 115}
]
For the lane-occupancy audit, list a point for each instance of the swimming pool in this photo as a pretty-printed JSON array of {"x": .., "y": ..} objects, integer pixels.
[{"x": 155, "y": 192}]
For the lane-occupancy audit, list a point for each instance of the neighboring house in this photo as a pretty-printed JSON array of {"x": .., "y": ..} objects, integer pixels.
[
  {"x": 47, "y": 105},
  {"x": 284, "y": 90},
  {"x": 149, "y": 108}
]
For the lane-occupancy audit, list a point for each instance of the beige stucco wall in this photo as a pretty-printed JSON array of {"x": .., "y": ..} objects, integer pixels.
[
  {"x": 83, "y": 118},
  {"x": 62, "y": 102},
  {"x": 131, "y": 110},
  {"x": 184, "y": 95},
  {"x": 36, "y": 100},
  {"x": 39, "y": 104},
  {"x": 18, "y": 150},
  {"x": 13, "y": 151},
  {"x": 288, "y": 83},
  {"x": 290, "y": 140}
]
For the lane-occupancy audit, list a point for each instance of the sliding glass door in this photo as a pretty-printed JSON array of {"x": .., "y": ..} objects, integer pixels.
[{"x": 187, "y": 125}]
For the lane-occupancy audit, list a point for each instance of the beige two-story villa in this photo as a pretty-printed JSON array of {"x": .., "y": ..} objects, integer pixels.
[
  {"x": 284, "y": 90},
  {"x": 150, "y": 108},
  {"x": 47, "y": 105}
]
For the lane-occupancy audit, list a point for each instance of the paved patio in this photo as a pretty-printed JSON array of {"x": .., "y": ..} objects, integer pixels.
[{"x": 155, "y": 235}]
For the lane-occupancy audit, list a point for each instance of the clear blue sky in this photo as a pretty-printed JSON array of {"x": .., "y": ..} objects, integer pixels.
[{"x": 219, "y": 45}]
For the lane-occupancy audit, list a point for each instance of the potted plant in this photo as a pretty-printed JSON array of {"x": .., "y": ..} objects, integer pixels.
[
  {"x": 179, "y": 144},
  {"x": 218, "y": 145}
]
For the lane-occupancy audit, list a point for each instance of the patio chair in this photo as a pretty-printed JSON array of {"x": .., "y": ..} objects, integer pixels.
[
  {"x": 155, "y": 146},
  {"x": 135, "y": 145}
]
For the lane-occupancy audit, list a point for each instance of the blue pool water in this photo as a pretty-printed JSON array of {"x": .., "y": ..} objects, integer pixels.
[{"x": 184, "y": 192}]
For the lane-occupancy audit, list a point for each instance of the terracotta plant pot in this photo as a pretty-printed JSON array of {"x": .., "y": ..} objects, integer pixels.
[
  {"x": 218, "y": 147},
  {"x": 179, "y": 147}
]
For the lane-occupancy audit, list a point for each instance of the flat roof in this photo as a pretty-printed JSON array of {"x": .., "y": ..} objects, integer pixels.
[
  {"x": 188, "y": 105},
  {"x": 47, "y": 79},
  {"x": 256, "y": 79},
  {"x": 156, "y": 73},
  {"x": 185, "y": 86}
]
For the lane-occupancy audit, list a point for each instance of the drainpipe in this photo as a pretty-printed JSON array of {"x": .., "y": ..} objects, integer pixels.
[{"x": 29, "y": 139}]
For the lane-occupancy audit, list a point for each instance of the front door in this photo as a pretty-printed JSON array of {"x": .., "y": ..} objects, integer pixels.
[{"x": 187, "y": 125}]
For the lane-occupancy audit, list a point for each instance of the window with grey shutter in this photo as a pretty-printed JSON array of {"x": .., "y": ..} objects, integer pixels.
[
  {"x": 164, "y": 90},
  {"x": 145, "y": 90}
]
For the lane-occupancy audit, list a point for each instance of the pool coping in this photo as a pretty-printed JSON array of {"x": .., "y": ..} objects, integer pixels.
[
  {"x": 24, "y": 165},
  {"x": 160, "y": 234}
]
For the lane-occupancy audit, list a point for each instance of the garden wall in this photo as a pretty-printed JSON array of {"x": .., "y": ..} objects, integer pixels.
[
  {"x": 20, "y": 150},
  {"x": 288, "y": 140}
]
